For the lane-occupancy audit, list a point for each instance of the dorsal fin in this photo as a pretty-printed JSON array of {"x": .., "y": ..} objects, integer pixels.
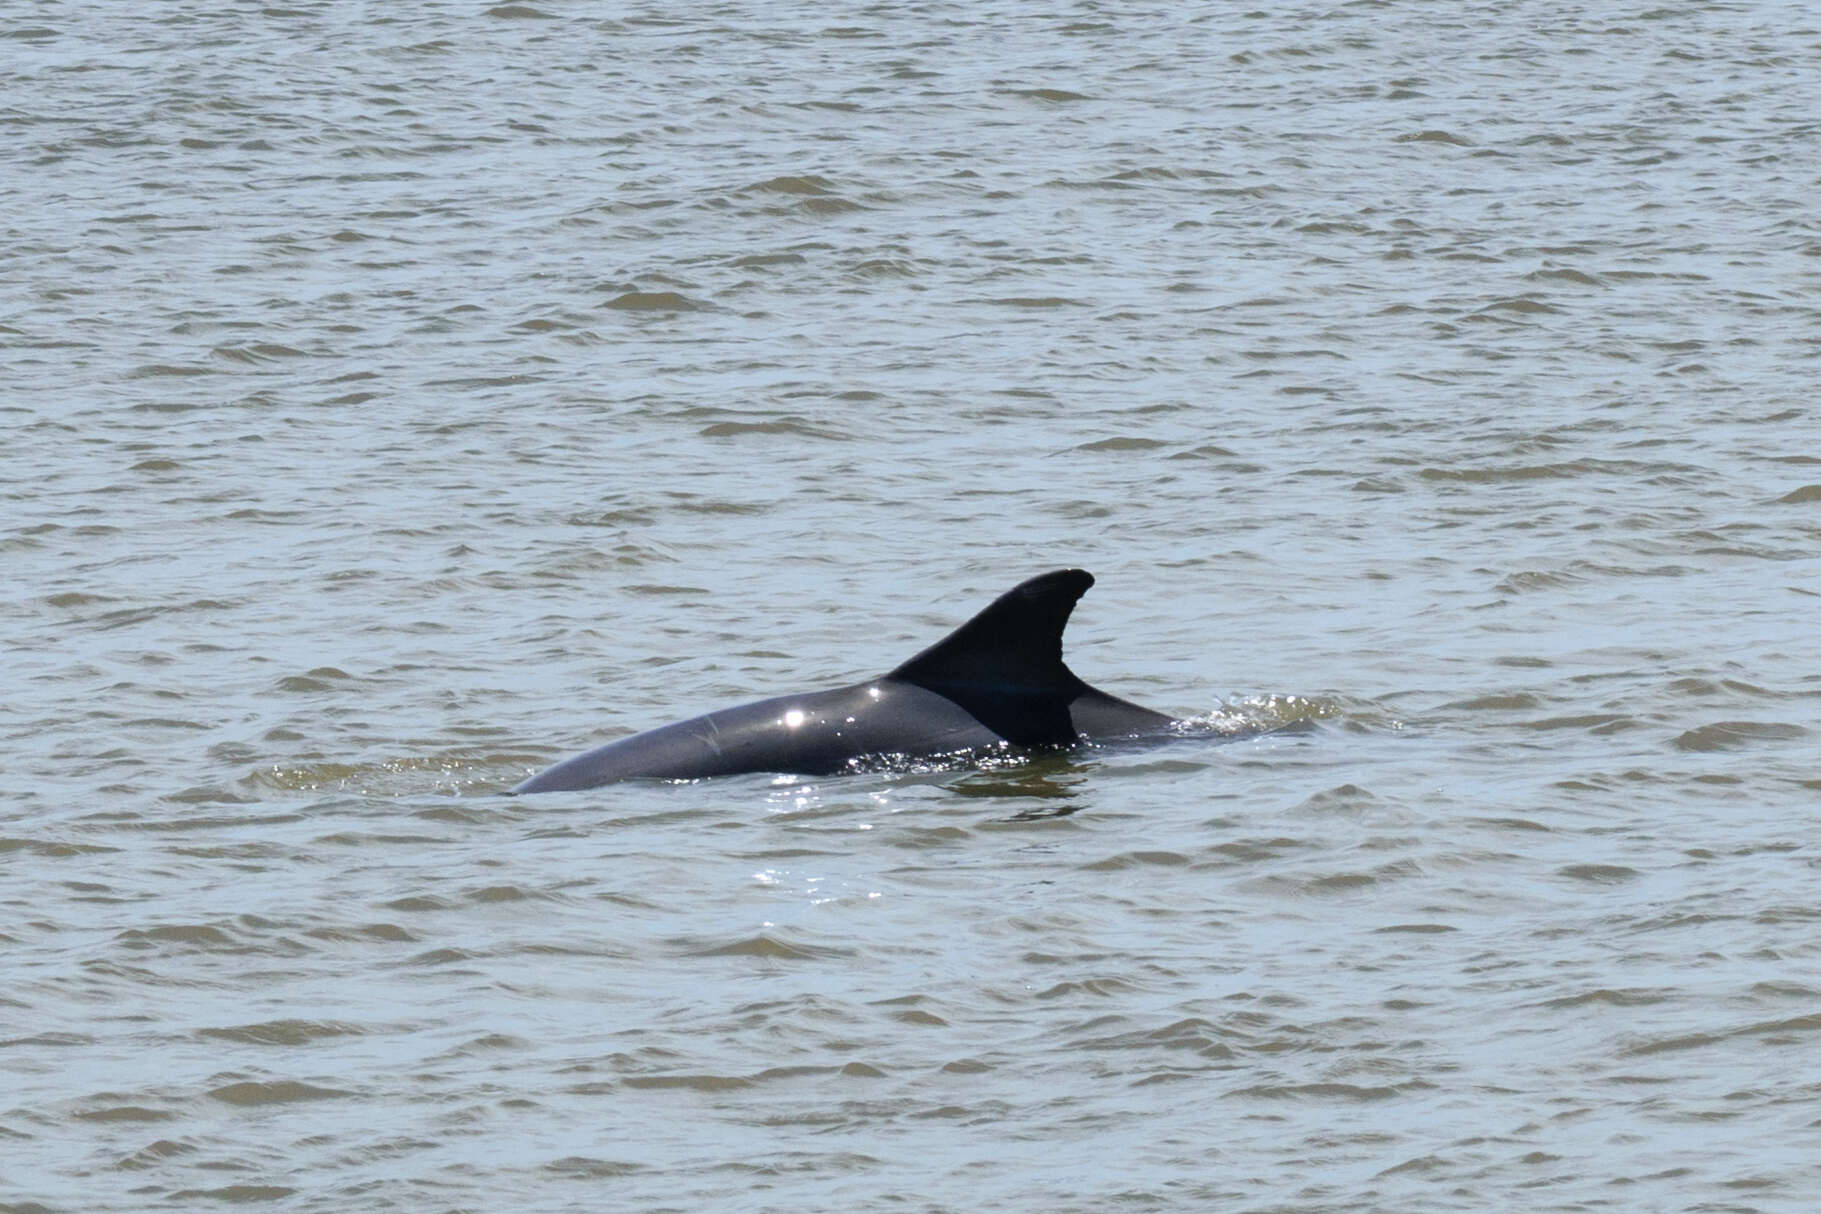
[{"x": 1005, "y": 665}]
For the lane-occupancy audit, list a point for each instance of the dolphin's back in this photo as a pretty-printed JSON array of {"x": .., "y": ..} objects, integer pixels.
[
  {"x": 998, "y": 679},
  {"x": 812, "y": 734}
]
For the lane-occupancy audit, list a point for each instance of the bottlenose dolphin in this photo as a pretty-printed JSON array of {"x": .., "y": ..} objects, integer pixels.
[{"x": 996, "y": 680}]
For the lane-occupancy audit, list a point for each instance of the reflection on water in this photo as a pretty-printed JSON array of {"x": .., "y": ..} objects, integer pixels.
[{"x": 1051, "y": 778}]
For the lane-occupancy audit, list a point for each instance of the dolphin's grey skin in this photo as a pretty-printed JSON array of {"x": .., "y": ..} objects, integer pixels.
[{"x": 998, "y": 678}]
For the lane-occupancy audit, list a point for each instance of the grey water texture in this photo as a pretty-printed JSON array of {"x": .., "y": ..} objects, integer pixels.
[{"x": 400, "y": 399}]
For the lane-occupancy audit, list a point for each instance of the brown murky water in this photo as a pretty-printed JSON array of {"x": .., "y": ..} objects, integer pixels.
[{"x": 399, "y": 399}]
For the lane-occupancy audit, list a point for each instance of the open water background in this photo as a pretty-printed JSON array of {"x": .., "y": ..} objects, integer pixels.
[{"x": 399, "y": 398}]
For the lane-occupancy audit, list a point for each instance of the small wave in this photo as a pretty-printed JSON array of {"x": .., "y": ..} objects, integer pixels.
[
  {"x": 1536, "y": 579},
  {"x": 235, "y": 1194},
  {"x": 398, "y": 777},
  {"x": 199, "y": 934},
  {"x": 257, "y": 353},
  {"x": 1040, "y": 94},
  {"x": 1600, "y": 723},
  {"x": 1496, "y": 702},
  {"x": 1435, "y": 136},
  {"x": 654, "y": 301},
  {"x": 692, "y": 1083},
  {"x": 1037, "y": 301},
  {"x": 1136, "y": 859},
  {"x": 282, "y": 1032},
  {"x": 283, "y": 1091},
  {"x": 761, "y": 261},
  {"x": 1518, "y": 304},
  {"x": 322, "y": 678},
  {"x": 1123, "y": 443},
  {"x": 1733, "y": 735},
  {"x": 807, "y": 185},
  {"x": 1416, "y": 929},
  {"x": 797, "y": 427},
  {"x": 1566, "y": 274},
  {"x": 126, "y": 1112},
  {"x": 1328, "y": 1093},
  {"x": 76, "y": 598},
  {"x": 582, "y": 1167},
  {"x": 1598, "y": 874},
  {"x": 1261, "y": 714},
  {"x": 772, "y": 947}
]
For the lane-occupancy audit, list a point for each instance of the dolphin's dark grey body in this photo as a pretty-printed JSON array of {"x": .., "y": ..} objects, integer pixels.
[{"x": 997, "y": 679}]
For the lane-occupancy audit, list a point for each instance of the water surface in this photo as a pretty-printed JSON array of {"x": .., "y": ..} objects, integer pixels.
[{"x": 400, "y": 400}]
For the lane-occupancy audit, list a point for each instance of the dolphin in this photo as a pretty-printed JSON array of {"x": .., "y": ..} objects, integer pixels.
[{"x": 997, "y": 681}]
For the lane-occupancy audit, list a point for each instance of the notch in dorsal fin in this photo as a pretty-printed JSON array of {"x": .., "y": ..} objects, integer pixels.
[{"x": 1004, "y": 666}]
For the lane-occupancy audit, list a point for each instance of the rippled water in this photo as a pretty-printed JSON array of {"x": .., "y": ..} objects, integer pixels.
[{"x": 399, "y": 399}]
